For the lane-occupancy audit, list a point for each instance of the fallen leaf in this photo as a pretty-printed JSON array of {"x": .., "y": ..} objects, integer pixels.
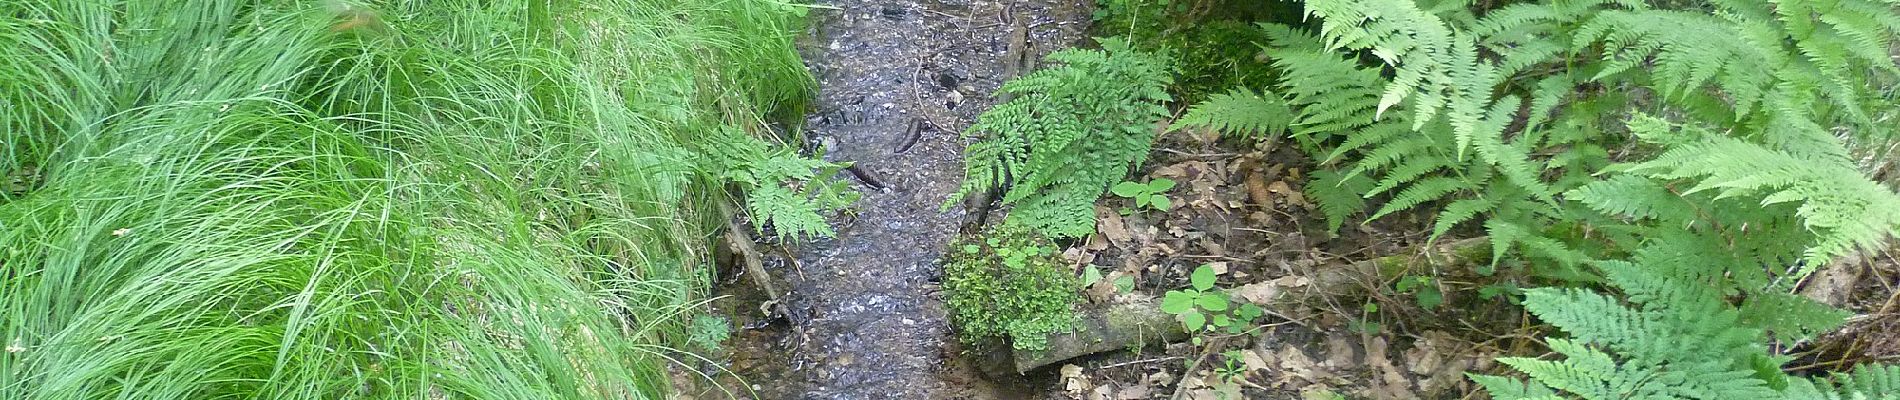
[
  {"x": 1291, "y": 281},
  {"x": 1135, "y": 392},
  {"x": 1339, "y": 352},
  {"x": 1212, "y": 247},
  {"x": 1293, "y": 197},
  {"x": 1219, "y": 267},
  {"x": 1205, "y": 394},
  {"x": 1253, "y": 360},
  {"x": 1073, "y": 380},
  {"x": 1071, "y": 371},
  {"x": 1297, "y": 364},
  {"x": 1258, "y": 293},
  {"x": 1391, "y": 384},
  {"x": 1110, "y": 224},
  {"x": 1097, "y": 242}
]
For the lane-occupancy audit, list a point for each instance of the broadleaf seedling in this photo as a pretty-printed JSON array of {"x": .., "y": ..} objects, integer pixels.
[{"x": 1149, "y": 195}]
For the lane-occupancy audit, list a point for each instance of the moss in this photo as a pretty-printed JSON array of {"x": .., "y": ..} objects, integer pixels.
[{"x": 1010, "y": 285}]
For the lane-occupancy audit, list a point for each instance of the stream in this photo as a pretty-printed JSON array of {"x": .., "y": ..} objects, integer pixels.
[{"x": 900, "y": 80}]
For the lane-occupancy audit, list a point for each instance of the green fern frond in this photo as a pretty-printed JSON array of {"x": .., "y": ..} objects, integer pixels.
[
  {"x": 1337, "y": 195},
  {"x": 1240, "y": 113},
  {"x": 1633, "y": 197},
  {"x": 1459, "y": 212},
  {"x": 1848, "y": 210},
  {"x": 1422, "y": 191},
  {"x": 1073, "y": 129}
]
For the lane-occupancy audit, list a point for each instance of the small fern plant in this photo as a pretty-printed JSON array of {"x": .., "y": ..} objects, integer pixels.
[
  {"x": 1071, "y": 131},
  {"x": 783, "y": 190}
]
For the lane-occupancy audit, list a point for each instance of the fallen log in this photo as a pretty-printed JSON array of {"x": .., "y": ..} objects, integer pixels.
[
  {"x": 1116, "y": 327},
  {"x": 1132, "y": 325}
]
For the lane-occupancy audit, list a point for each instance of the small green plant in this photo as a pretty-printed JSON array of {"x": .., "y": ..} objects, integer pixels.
[
  {"x": 1010, "y": 285},
  {"x": 707, "y": 332},
  {"x": 1424, "y": 290},
  {"x": 1149, "y": 195},
  {"x": 1202, "y": 307}
]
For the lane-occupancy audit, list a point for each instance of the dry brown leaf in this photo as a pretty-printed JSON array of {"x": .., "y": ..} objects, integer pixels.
[
  {"x": 1254, "y": 360},
  {"x": 1258, "y": 293},
  {"x": 1292, "y": 281},
  {"x": 1212, "y": 247},
  {"x": 1072, "y": 379},
  {"x": 1110, "y": 224},
  {"x": 1339, "y": 352},
  {"x": 1391, "y": 383},
  {"x": 1135, "y": 392},
  {"x": 1296, "y": 364},
  {"x": 1098, "y": 242},
  {"x": 1293, "y": 197},
  {"x": 1219, "y": 267}
]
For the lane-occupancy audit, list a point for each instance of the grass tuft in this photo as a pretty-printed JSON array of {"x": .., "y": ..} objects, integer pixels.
[{"x": 397, "y": 199}]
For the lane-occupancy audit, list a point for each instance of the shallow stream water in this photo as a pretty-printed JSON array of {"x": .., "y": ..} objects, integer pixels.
[{"x": 864, "y": 319}]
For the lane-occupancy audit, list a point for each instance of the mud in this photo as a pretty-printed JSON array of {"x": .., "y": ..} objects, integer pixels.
[{"x": 899, "y": 81}]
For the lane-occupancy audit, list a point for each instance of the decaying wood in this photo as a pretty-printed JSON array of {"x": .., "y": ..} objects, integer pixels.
[
  {"x": 1834, "y": 283},
  {"x": 1445, "y": 257},
  {"x": 1140, "y": 324},
  {"x": 1116, "y": 327},
  {"x": 748, "y": 253}
]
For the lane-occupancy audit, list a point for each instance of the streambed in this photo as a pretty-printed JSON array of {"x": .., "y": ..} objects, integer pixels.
[{"x": 899, "y": 81}]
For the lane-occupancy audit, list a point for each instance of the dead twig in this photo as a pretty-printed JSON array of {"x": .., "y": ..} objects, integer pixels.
[
  {"x": 749, "y": 256},
  {"x": 1180, "y": 387},
  {"x": 1128, "y": 363}
]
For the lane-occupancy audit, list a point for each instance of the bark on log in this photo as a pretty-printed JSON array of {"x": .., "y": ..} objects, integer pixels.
[
  {"x": 1116, "y": 327},
  {"x": 1140, "y": 324}
]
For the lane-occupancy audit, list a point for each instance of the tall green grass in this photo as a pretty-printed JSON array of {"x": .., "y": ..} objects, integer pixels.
[{"x": 403, "y": 199}]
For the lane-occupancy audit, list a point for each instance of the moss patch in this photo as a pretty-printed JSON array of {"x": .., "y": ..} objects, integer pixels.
[{"x": 1011, "y": 285}]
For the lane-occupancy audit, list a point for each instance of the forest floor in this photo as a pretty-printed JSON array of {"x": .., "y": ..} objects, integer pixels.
[{"x": 862, "y": 319}]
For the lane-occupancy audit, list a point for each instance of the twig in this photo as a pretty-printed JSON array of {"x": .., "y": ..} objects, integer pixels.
[
  {"x": 1180, "y": 387},
  {"x": 1128, "y": 363},
  {"x": 749, "y": 255},
  {"x": 867, "y": 178},
  {"x": 912, "y": 135}
]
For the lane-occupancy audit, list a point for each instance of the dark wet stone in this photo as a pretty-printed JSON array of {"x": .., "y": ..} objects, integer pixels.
[{"x": 894, "y": 11}]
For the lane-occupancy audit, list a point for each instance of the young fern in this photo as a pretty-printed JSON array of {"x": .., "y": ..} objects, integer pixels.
[{"x": 1073, "y": 130}]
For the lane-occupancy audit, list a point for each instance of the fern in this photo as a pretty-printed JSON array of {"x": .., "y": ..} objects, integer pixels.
[
  {"x": 1241, "y": 112},
  {"x": 784, "y": 191},
  {"x": 1506, "y": 117},
  {"x": 1072, "y": 130},
  {"x": 1845, "y": 209}
]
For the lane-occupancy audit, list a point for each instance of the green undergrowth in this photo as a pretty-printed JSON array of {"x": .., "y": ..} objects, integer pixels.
[
  {"x": 1010, "y": 285},
  {"x": 1668, "y": 171},
  {"x": 212, "y": 199}
]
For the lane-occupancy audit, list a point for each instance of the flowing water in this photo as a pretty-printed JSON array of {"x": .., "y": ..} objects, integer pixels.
[{"x": 900, "y": 79}]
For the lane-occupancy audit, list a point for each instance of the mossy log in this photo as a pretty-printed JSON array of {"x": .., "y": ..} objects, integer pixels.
[
  {"x": 1134, "y": 325},
  {"x": 1116, "y": 327}
]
